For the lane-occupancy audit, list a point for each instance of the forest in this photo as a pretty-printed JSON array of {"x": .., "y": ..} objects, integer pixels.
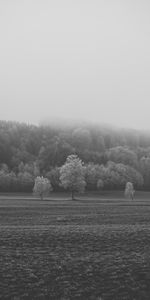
[{"x": 111, "y": 156}]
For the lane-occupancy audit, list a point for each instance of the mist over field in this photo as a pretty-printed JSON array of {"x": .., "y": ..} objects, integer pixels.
[{"x": 82, "y": 60}]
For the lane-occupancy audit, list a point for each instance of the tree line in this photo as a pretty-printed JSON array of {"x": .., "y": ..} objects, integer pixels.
[
  {"x": 111, "y": 156},
  {"x": 72, "y": 178}
]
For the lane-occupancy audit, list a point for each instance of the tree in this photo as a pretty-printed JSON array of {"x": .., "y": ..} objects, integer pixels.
[
  {"x": 25, "y": 181},
  {"x": 100, "y": 184},
  {"x": 42, "y": 187},
  {"x": 129, "y": 190},
  {"x": 81, "y": 138},
  {"x": 145, "y": 170},
  {"x": 115, "y": 176},
  {"x": 8, "y": 181},
  {"x": 92, "y": 176},
  {"x": 72, "y": 175},
  {"x": 123, "y": 155},
  {"x": 53, "y": 176}
]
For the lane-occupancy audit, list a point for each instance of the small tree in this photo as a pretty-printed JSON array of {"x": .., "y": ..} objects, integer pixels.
[
  {"x": 42, "y": 187},
  {"x": 72, "y": 175},
  {"x": 129, "y": 190}
]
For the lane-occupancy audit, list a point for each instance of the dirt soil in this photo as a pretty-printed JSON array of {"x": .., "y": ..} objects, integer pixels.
[{"x": 87, "y": 249}]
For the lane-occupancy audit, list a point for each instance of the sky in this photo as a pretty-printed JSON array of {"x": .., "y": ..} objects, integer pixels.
[{"x": 83, "y": 59}]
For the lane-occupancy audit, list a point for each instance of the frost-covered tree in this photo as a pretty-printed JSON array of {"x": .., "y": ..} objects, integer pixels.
[
  {"x": 72, "y": 175},
  {"x": 129, "y": 190},
  {"x": 42, "y": 187}
]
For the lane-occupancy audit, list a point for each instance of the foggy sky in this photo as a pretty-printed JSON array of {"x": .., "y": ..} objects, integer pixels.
[{"x": 83, "y": 59}]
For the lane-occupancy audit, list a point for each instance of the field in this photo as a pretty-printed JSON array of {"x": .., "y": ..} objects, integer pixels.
[{"x": 96, "y": 248}]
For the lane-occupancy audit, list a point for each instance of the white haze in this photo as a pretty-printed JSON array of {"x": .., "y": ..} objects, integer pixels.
[{"x": 83, "y": 59}]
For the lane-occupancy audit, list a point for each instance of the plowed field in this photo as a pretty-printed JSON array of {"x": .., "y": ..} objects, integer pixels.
[{"x": 89, "y": 249}]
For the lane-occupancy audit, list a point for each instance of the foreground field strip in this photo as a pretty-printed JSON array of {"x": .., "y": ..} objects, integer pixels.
[
  {"x": 62, "y": 205},
  {"x": 74, "y": 202},
  {"x": 80, "y": 228}
]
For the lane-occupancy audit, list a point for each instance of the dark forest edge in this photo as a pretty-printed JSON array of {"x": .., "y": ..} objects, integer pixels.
[{"x": 111, "y": 155}]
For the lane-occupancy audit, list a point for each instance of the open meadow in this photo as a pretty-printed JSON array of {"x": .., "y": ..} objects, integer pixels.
[{"x": 96, "y": 248}]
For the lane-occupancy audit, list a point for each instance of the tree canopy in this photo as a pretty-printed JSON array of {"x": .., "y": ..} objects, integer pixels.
[{"x": 72, "y": 175}]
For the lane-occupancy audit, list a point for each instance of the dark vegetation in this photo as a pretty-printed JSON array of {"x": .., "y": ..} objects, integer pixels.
[
  {"x": 111, "y": 155},
  {"x": 95, "y": 248}
]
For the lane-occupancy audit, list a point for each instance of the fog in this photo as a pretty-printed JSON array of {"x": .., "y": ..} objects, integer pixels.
[{"x": 86, "y": 60}]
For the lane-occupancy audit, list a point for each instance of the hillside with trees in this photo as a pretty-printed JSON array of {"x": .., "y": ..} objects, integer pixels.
[{"x": 112, "y": 157}]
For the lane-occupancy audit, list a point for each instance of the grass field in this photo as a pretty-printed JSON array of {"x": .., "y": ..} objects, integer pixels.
[{"x": 96, "y": 248}]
